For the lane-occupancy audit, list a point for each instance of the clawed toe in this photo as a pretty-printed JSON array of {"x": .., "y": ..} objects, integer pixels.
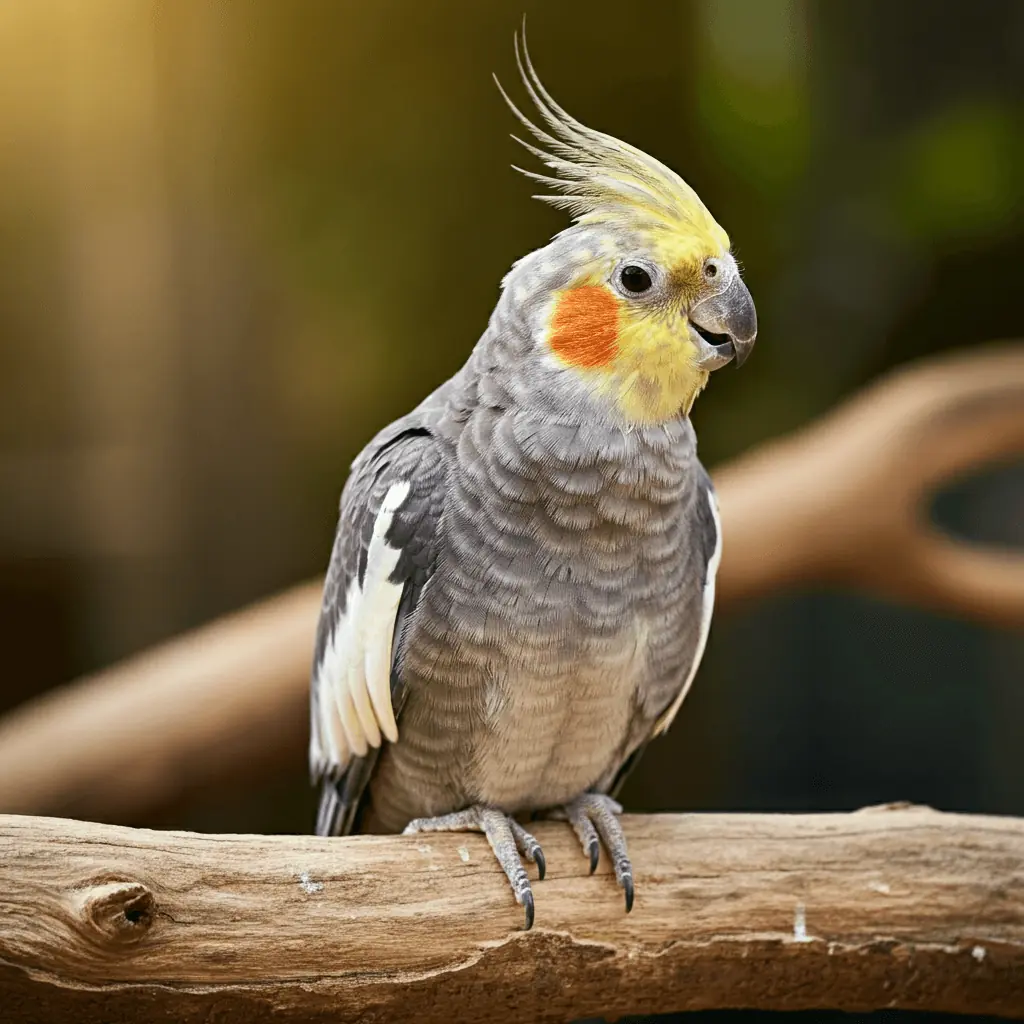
[
  {"x": 507, "y": 838},
  {"x": 528, "y": 846},
  {"x": 594, "y": 816},
  {"x": 594, "y": 819}
]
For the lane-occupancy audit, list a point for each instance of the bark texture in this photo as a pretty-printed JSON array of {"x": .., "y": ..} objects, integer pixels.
[{"x": 888, "y": 907}]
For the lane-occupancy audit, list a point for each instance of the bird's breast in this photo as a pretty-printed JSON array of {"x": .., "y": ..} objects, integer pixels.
[
  {"x": 554, "y": 608},
  {"x": 552, "y": 726}
]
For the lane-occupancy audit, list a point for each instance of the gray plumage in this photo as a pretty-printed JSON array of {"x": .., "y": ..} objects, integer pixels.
[
  {"x": 522, "y": 580},
  {"x": 554, "y": 564}
]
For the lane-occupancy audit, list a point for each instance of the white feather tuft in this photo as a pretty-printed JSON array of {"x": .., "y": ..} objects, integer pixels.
[{"x": 354, "y": 677}]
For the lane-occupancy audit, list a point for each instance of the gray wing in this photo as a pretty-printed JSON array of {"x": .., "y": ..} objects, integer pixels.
[
  {"x": 383, "y": 556},
  {"x": 706, "y": 541}
]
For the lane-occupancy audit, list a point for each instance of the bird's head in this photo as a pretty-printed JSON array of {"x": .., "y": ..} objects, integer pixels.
[{"x": 641, "y": 298}]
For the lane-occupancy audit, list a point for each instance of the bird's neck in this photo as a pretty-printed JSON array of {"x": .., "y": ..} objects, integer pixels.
[{"x": 564, "y": 434}]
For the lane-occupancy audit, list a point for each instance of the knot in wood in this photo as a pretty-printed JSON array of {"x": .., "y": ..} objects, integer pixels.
[{"x": 116, "y": 911}]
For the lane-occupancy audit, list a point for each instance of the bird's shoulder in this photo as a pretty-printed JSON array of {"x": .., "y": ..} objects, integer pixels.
[{"x": 409, "y": 453}]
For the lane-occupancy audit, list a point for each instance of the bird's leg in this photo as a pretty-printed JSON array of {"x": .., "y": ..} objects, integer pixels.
[
  {"x": 508, "y": 840},
  {"x": 592, "y": 815}
]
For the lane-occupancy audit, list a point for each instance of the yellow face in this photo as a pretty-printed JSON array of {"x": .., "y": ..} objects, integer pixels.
[
  {"x": 624, "y": 321},
  {"x": 655, "y": 301}
]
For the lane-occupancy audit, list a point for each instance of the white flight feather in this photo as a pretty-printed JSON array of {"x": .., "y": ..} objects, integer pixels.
[
  {"x": 705, "y": 626},
  {"x": 379, "y": 610},
  {"x": 338, "y": 746},
  {"x": 354, "y": 679}
]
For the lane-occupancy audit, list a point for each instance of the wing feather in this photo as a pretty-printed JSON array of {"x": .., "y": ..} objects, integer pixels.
[
  {"x": 707, "y": 535},
  {"x": 382, "y": 558},
  {"x": 707, "y": 609}
]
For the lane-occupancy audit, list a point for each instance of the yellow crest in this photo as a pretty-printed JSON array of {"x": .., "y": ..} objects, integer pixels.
[{"x": 599, "y": 178}]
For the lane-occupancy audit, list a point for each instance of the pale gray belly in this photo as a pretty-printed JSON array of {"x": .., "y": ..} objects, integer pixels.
[
  {"x": 510, "y": 737},
  {"x": 542, "y": 741}
]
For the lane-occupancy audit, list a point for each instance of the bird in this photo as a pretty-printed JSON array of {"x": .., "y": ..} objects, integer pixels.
[{"x": 522, "y": 579}]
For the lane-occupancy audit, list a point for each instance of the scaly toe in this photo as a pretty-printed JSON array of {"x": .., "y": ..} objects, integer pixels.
[
  {"x": 507, "y": 838},
  {"x": 529, "y": 847},
  {"x": 576, "y": 815},
  {"x": 594, "y": 817},
  {"x": 461, "y": 821}
]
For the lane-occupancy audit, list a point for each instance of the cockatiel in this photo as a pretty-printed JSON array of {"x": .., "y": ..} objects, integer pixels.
[{"x": 522, "y": 581}]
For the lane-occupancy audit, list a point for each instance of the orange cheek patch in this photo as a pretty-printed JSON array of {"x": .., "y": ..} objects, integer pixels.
[{"x": 585, "y": 326}]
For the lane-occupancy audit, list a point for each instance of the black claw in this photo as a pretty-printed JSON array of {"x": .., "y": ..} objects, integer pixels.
[
  {"x": 538, "y": 859},
  {"x": 528, "y": 907},
  {"x": 627, "y": 884},
  {"x": 595, "y": 853}
]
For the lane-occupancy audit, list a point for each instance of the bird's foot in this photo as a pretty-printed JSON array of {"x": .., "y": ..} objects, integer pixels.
[
  {"x": 508, "y": 840},
  {"x": 594, "y": 817}
]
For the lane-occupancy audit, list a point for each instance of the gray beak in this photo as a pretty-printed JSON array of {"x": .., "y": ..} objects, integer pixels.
[{"x": 725, "y": 325}]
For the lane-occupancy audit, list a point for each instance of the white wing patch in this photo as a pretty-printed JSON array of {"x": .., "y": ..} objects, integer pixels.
[
  {"x": 354, "y": 676},
  {"x": 705, "y": 626}
]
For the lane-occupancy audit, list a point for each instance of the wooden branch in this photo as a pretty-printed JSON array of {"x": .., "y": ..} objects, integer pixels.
[
  {"x": 845, "y": 501},
  {"x": 899, "y": 907},
  {"x": 211, "y": 704},
  {"x": 840, "y": 502}
]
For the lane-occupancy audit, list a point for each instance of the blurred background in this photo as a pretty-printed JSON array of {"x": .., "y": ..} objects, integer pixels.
[{"x": 235, "y": 239}]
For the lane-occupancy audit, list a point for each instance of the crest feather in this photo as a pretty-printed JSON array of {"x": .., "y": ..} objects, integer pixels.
[{"x": 597, "y": 177}]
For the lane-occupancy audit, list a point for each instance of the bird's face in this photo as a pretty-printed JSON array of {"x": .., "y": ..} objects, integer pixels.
[
  {"x": 641, "y": 298},
  {"x": 649, "y": 312}
]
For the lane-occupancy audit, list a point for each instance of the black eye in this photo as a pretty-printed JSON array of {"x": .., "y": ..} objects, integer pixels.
[
  {"x": 635, "y": 279},
  {"x": 711, "y": 269}
]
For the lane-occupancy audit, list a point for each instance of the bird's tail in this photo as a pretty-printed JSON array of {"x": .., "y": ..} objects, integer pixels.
[
  {"x": 330, "y": 818},
  {"x": 341, "y": 800}
]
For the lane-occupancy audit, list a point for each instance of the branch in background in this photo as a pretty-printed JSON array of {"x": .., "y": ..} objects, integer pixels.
[
  {"x": 841, "y": 502},
  {"x": 845, "y": 501},
  {"x": 220, "y": 702},
  {"x": 896, "y": 908}
]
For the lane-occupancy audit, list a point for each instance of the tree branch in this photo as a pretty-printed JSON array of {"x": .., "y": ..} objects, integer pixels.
[
  {"x": 226, "y": 701},
  {"x": 899, "y": 907},
  {"x": 845, "y": 501}
]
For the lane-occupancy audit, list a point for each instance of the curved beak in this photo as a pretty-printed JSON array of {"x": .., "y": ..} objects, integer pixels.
[{"x": 725, "y": 325}]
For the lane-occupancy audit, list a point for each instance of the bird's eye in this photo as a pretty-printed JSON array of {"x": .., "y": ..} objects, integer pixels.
[
  {"x": 711, "y": 269},
  {"x": 635, "y": 279}
]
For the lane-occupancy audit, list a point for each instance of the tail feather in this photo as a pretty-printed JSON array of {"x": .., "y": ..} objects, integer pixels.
[
  {"x": 331, "y": 813},
  {"x": 341, "y": 800}
]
